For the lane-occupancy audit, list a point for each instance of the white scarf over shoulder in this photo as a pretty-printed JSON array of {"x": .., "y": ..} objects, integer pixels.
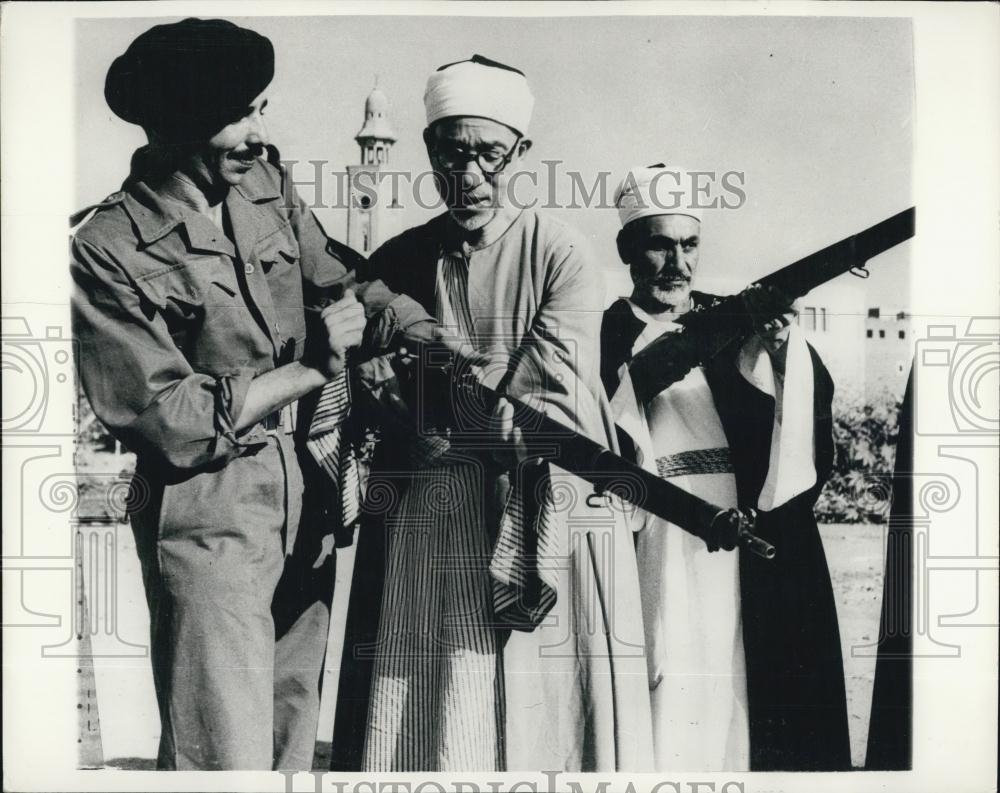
[
  {"x": 791, "y": 464},
  {"x": 697, "y": 676}
]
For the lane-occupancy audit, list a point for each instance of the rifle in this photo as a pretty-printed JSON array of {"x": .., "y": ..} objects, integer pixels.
[
  {"x": 443, "y": 371},
  {"x": 709, "y": 329},
  {"x": 706, "y": 332},
  {"x": 609, "y": 473}
]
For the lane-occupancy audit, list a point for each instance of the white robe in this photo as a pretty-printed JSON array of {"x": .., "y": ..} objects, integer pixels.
[{"x": 691, "y": 597}]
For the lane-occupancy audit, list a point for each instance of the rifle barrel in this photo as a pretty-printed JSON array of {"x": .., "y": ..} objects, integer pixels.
[
  {"x": 817, "y": 268},
  {"x": 610, "y": 473}
]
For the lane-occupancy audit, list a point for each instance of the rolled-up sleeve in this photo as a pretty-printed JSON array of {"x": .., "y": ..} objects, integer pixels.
[{"x": 139, "y": 384}]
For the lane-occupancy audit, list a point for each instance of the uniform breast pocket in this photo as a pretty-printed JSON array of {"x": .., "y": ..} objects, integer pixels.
[
  {"x": 279, "y": 257},
  {"x": 278, "y": 253},
  {"x": 186, "y": 293}
]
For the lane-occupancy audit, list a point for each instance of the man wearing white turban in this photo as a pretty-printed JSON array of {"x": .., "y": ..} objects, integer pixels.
[
  {"x": 509, "y": 633},
  {"x": 745, "y": 671}
]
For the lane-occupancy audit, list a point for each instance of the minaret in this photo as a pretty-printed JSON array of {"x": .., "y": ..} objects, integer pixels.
[{"x": 366, "y": 205}]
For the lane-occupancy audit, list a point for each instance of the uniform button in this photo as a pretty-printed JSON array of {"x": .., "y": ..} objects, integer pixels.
[{"x": 248, "y": 269}]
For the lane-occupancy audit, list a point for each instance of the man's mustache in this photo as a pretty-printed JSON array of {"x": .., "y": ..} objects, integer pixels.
[
  {"x": 251, "y": 152},
  {"x": 668, "y": 279}
]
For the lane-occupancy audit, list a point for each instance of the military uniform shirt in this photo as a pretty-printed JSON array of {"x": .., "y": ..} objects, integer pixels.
[{"x": 173, "y": 321}]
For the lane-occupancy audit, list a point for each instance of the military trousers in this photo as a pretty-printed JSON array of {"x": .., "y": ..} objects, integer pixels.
[{"x": 238, "y": 626}]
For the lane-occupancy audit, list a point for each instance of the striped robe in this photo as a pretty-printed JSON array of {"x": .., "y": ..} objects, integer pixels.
[{"x": 495, "y": 621}]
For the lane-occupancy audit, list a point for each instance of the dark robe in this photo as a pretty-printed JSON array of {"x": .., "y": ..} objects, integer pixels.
[
  {"x": 890, "y": 732},
  {"x": 795, "y": 671}
]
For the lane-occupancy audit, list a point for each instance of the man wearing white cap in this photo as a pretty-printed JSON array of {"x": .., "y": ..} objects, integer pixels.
[
  {"x": 494, "y": 649},
  {"x": 745, "y": 670}
]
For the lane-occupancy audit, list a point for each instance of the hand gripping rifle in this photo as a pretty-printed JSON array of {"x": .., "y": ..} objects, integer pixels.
[{"x": 709, "y": 329}]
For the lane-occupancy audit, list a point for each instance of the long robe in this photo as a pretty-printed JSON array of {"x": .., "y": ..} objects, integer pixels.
[
  {"x": 697, "y": 677},
  {"x": 494, "y": 621},
  {"x": 890, "y": 730},
  {"x": 794, "y": 670}
]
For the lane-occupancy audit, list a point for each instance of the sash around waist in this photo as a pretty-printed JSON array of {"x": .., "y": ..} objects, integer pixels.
[{"x": 698, "y": 461}]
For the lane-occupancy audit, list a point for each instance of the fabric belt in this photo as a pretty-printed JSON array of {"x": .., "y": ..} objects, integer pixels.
[
  {"x": 277, "y": 424},
  {"x": 699, "y": 461}
]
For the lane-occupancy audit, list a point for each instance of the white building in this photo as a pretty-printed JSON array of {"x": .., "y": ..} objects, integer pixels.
[{"x": 368, "y": 199}]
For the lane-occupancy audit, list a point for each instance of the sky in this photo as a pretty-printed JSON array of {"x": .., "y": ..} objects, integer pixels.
[{"x": 815, "y": 112}]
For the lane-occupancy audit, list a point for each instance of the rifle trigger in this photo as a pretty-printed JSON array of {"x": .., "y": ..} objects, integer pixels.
[{"x": 860, "y": 271}]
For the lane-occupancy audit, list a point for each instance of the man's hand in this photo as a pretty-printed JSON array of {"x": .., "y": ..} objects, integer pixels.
[
  {"x": 344, "y": 321},
  {"x": 461, "y": 348},
  {"x": 771, "y": 312},
  {"x": 513, "y": 450},
  {"x": 663, "y": 362}
]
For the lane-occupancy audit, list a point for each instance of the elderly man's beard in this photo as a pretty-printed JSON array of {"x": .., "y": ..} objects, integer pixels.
[
  {"x": 665, "y": 293},
  {"x": 472, "y": 220},
  {"x": 473, "y": 207}
]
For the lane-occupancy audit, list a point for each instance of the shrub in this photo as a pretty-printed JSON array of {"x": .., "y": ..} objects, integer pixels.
[{"x": 859, "y": 489}]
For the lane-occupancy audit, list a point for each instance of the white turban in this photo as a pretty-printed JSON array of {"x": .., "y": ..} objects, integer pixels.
[
  {"x": 479, "y": 87},
  {"x": 656, "y": 190}
]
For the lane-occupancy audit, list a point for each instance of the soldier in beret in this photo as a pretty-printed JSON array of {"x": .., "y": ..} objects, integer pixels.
[{"x": 189, "y": 313}]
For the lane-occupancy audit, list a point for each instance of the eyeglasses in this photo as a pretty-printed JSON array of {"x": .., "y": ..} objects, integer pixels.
[{"x": 490, "y": 161}]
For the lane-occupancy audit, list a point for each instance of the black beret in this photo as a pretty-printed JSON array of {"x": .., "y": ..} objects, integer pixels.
[{"x": 187, "y": 80}]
